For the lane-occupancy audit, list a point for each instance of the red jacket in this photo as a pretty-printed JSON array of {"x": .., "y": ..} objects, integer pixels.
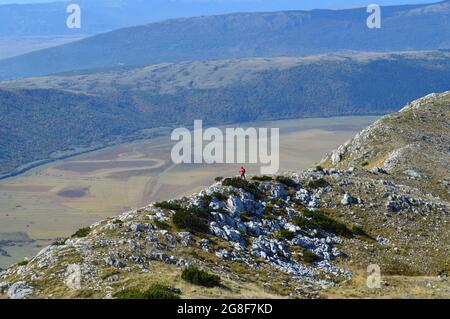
[{"x": 242, "y": 170}]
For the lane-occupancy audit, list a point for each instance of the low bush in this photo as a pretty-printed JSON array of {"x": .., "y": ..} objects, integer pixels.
[
  {"x": 161, "y": 225},
  {"x": 23, "y": 263},
  {"x": 289, "y": 182},
  {"x": 218, "y": 178},
  {"x": 156, "y": 291},
  {"x": 285, "y": 234},
  {"x": 168, "y": 205},
  {"x": 317, "y": 183},
  {"x": 263, "y": 178},
  {"x": 365, "y": 163},
  {"x": 309, "y": 257},
  {"x": 59, "y": 242},
  {"x": 219, "y": 196},
  {"x": 243, "y": 184},
  {"x": 190, "y": 220},
  {"x": 82, "y": 232},
  {"x": 199, "y": 277},
  {"x": 319, "y": 168},
  {"x": 358, "y": 231},
  {"x": 320, "y": 220}
]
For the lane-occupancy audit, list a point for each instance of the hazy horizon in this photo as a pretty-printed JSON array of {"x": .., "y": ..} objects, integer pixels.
[{"x": 299, "y": 4}]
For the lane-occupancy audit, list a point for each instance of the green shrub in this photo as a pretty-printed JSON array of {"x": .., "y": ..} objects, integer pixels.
[
  {"x": 309, "y": 257},
  {"x": 23, "y": 263},
  {"x": 365, "y": 163},
  {"x": 263, "y": 178},
  {"x": 199, "y": 277},
  {"x": 289, "y": 182},
  {"x": 319, "y": 168},
  {"x": 358, "y": 231},
  {"x": 243, "y": 184},
  {"x": 156, "y": 291},
  {"x": 190, "y": 220},
  {"x": 167, "y": 205},
  {"x": 219, "y": 196},
  {"x": 320, "y": 220},
  {"x": 218, "y": 178},
  {"x": 117, "y": 222},
  {"x": 59, "y": 242},
  {"x": 82, "y": 232},
  {"x": 161, "y": 225},
  {"x": 285, "y": 234},
  {"x": 318, "y": 183}
]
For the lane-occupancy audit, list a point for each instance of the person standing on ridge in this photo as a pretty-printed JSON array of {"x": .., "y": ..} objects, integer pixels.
[{"x": 242, "y": 172}]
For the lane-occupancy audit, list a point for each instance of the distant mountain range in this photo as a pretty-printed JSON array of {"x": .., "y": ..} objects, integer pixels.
[
  {"x": 242, "y": 35},
  {"x": 40, "y": 117},
  {"x": 48, "y": 19}
]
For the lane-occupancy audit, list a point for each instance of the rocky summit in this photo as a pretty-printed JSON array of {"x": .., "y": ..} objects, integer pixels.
[{"x": 380, "y": 199}]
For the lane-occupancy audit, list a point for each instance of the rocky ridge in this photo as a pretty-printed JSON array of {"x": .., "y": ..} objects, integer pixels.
[{"x": 295, "y": 235}]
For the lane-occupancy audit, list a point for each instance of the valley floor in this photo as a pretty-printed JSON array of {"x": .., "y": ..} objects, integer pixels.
[{"x": 53, "y": 200}]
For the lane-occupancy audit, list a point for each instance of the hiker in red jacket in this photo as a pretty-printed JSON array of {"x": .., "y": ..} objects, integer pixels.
[{"x": 242, "y": 172}]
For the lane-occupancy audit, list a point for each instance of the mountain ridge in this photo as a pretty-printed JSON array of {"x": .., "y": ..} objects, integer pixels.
[
  {"x": 241, "y": 35},
  {"x": 309, "y": 234}
]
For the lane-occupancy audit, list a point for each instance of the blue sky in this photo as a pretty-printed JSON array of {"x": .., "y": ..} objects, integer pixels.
[{"x": 307, "y": 4}]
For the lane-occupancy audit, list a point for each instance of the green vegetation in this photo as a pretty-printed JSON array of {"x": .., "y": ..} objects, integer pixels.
[
  {"x": 319, "y": 168},
  {"x": 161, "y": 225},
  {"x": 309, "y": 257},
  {"x": 199, "y": 277},
  {"x": 320, "y": 220},
  {"x": 244, "y": 184},
  {"x": 285, "y": 234},
  {"x": 219, "y": 196},
  {"x": 263, "y": 178},
  {"x": 289, "y": 182},
  {"x": 168, "y": 205},
  {"x": 317, "y": 183},
  {"x": 218, "y": 178},
  {"x": 365, "y": 163},
  {"x": 190, "y": 220},
  {"x": 358, "y": 231},
  {"x": 59, "y": 242},
  {"x": 156, "y": 291},
  {"x": 82, "y": 232},
  {"x": 23, "y": 263}
]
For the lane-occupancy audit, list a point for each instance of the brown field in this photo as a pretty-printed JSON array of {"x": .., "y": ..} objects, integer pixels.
[{"x": 54, "y": 200}]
